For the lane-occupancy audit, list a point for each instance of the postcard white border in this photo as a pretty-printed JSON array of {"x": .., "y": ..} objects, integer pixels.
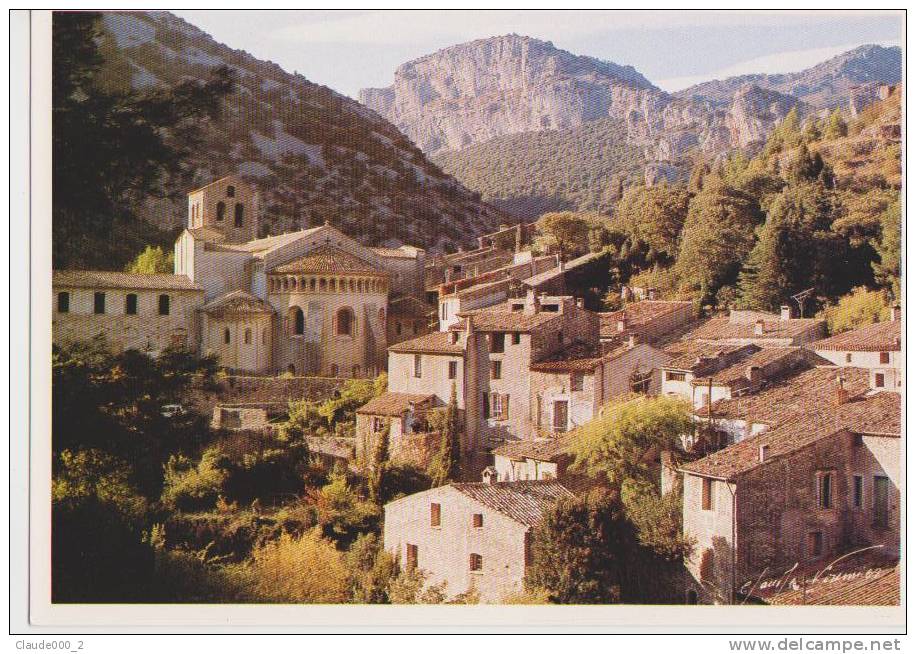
[{"x": 216, "y": 618}]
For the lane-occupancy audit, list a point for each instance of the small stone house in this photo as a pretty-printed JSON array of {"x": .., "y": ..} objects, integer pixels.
[
  {"x": 470, "y": 536},
  {"x": 824, "y": 482},
  {"x": 875, "y": 347},
  {"x": 650, "y": 320},
  {"x": 756, "y": 328}
]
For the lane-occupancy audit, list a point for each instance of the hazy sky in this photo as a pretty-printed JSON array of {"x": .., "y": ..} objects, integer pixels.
[{"x": 349, "y": 50}]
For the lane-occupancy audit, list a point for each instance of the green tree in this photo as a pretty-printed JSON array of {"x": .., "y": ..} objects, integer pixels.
[
  {"x": 859, "y": 308},
  {"x": 371, "y": 569},
  {"x": 112, "y": 149},
  {"x": 566, "y": 231},
  {"x": 377, "y": 465},
  {"x": 624, "y": 440},
  {"x": 152, "y": 260},
  {"x": 836, "y": 126},
  {"x": 718, "y": 235},
  {"x": 654, "y": 216},
  {"x": 445, "y": 465},
  {"x": 580, "y": 551},
  {"x": 796, "y": 249},
  {"x": 887, "y": 268}
]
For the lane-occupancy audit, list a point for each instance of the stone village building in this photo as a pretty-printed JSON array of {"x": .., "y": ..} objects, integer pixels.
[
  {"x": 311, "y": 302},
  {"x": 471, "y": 536}
]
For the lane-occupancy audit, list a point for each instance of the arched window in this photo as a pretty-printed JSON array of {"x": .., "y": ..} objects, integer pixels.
[
  {"x": 297, "y": 320},
  {"x": 248, "y": 336},
  {"x": 322, "y": 285},
  {"x": 239, "y": 214},
  {"x": 345, "y": 322},
  {"x": 333, "y": 288},
  {"x": 220, "y": 210},
  {"x": 230, "y": 191},
  {"x": 226, "y": 336}
]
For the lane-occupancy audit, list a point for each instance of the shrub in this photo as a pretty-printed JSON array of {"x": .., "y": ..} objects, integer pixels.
[{"x": 857, "y": 309}]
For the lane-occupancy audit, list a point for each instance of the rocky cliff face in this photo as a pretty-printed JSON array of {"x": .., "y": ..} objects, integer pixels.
[
  {"x": 826, "y": 85},
  {"x": 314, "y": 155},
  {"x": 476, "y": 91}
]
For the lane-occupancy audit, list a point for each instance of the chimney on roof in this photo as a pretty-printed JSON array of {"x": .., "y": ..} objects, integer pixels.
[
  {"x": 758, "y": 327},
  {"x": 622, "y": 323},
  {"x": 753, "y": 374},
  {"x": 895, "y": 313},
  {"x": 785, "y": 312},
  {"x": 764, "y": 453},
  {"x": 651, "y": 293},
  {"x": 842, "y": 395}
]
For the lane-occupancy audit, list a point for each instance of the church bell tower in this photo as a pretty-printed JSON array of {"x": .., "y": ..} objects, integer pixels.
[{"x": 228, "y": 206}]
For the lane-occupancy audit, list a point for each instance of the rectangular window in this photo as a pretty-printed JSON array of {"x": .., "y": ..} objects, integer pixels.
[
  {"x": 885, "y": 357},
  {"x": 476, "y": 563},
  {"x": 560, "y": 415},
  {"x": 411, "y": 556},
  {"x": 575, "y": 381},
  {"x": 505, "y": 407},
  {"x": 516, "y": 338},
  {"x": 417, "y": 365},
  {"x": 882, "y": 501},
  {"x": 435, "y": 514},
  {"x": 164, "y": 302},
  {"x": 496, "y": 369},
  {"x": 815, "y": 543},
  {"x": 130, "y": 304},
  {"x": 477, "y": 520},
  {"x": 63, "y": 302},
  {"x": 377, "y": 424},
  {"x": 857, "y": 491},
  {"x": 496, "y": 406},
  {"x": 849, "y": 357},
  {"x": 497, "y": 342},
  {"x": 825, "y": 490},
  {"x": 452, "y": 369},
  {"x": 879, "y": 380},
  {"x": 707, "y": 498},
  {"x": 98, "y": 302},
  {"x": 675, "y": 376}
]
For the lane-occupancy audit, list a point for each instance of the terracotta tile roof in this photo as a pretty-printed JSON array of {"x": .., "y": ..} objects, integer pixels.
[
  {"x": 878, "y": 337},
  {"x": 432, "y": 343},
  {"x": 329, "y": 259},
  {"x": 864, "y": 578},
  {"x": 724, "y": 329},
  {"x": 268, "y": 243},
  {"x": 576, "y": 357},
  {"x": 522, "y": 501},
  {"x": 543, "y": 449},
  {"x": 501, "y": 318},
  {"x": 111, "y": 279},
  {"x": 807, "y": 391},
  {"x": 638, "y": 314},
  {"x": 207, "y": 234},
  {"x": 235, "y": 302},
  {"x": 706, "y": 358},
  {"x": 393, "y": 404},
  {"x": 877, "y": 413},
  {"x": 548, "y": 275},
  {"x": 772, "y": 361},
  {"x": 403, "y": 252},
  {"x": 408, "y": 305}
]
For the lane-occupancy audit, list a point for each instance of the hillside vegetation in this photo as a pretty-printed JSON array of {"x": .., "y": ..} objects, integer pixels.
[{"x": 581, "y": 168}]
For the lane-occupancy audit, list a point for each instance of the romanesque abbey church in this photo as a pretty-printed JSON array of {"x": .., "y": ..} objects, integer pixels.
[{"x": 310, "y": 302}]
